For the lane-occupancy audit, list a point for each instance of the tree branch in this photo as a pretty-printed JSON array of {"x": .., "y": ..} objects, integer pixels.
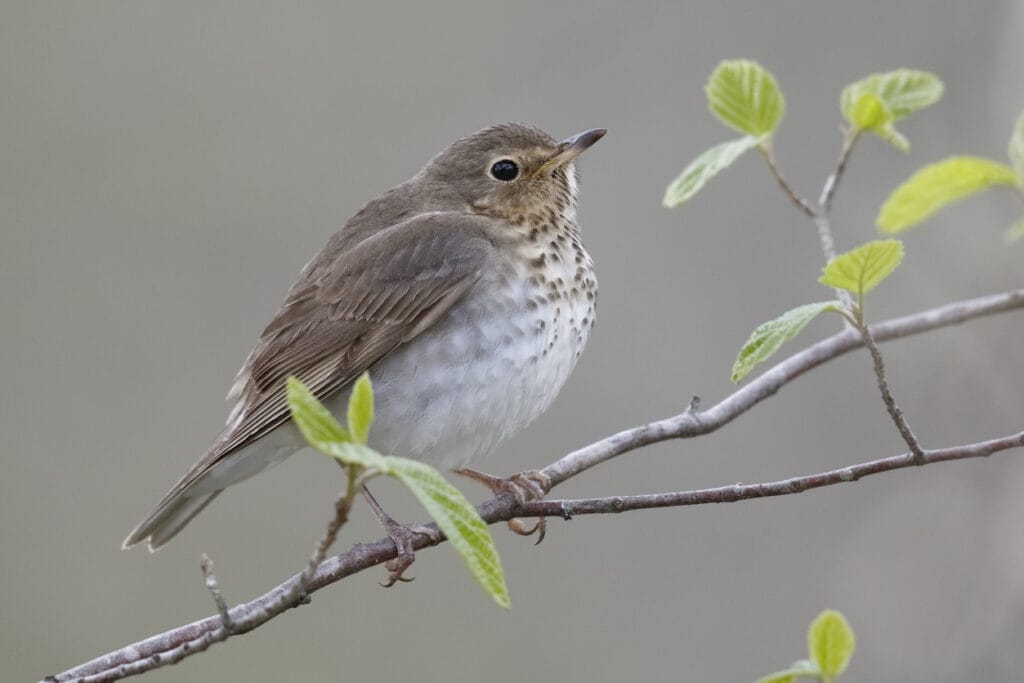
[
  {"x": 178, "y": 643},
  {"x": 785, "y": 487}
]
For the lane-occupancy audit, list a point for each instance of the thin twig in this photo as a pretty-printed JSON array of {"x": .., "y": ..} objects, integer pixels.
[
  {"x": 821, "y": 215},
  {"x": 342, "y": 507},
  {"x": 828, "y": 190},
  {"x": 856, "y": 310},
  {"x": 206, "y": 564},
  {"x": 794, "y": 196},
  {"x": 178, "y": 643},
  {"x": 916, "y": 454}
]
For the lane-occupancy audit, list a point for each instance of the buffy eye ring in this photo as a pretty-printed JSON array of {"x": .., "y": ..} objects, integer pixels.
[{"x": 505, "y": 170}]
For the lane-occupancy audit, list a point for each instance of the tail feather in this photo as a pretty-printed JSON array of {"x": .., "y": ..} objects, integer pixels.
[{"x": 170, "y": 517}]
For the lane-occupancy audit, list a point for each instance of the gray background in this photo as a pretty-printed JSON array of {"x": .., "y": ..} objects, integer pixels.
[{"x": 167, "y": 168}]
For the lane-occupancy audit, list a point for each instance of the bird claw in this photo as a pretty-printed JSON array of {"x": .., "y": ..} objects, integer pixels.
[
  {"x": 525, "y": 486},
  {"x": 403, "y": 537},
  {"x": 517, "y": 526}
]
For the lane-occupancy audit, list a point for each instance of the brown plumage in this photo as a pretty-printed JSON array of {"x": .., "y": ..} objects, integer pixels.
[{"x": 442, "y": 253}]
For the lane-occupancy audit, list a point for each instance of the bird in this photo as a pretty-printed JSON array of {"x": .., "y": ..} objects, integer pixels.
[{"x": 465, "y": 292}]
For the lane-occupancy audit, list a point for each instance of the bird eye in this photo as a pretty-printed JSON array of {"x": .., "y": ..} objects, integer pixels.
[{"x": 505, "y": 170}]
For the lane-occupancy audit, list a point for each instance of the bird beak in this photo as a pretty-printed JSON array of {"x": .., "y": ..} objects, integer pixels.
[{"x": 570, "y": 148}]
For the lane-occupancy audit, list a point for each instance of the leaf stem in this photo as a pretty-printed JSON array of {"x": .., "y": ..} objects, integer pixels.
[
  {"x": 769, "y": 156},
  {"x": 820, "y": 213},
  {"x": 828, "y": 190}
]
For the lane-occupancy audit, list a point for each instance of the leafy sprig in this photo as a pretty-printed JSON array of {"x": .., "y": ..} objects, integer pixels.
[
  {"x": 446, "y": 505},
  {"x": 943, "y": 182},
  {"x": 830, "y": 645}
]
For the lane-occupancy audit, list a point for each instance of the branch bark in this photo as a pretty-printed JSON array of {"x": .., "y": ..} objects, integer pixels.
[
  {"x": 178, "y": 643},
  {"x": 731, "y": 494}
]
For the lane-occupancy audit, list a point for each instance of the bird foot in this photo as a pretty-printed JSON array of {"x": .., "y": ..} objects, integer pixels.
[
  {"x": 525, "y": 486},
  {"x": 403, "y": 537}
]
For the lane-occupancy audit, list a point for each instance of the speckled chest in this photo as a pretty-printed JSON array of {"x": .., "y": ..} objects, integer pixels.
[
  {"x": 497, "y": 360},
  {"x": 560, "y": 289}
]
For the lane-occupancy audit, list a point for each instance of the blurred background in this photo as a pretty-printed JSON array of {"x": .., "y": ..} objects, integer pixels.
[{"x": 167, "y": 168}]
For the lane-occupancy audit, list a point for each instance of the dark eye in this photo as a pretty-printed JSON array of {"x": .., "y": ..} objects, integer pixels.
[{"x": 505, "y": 170}]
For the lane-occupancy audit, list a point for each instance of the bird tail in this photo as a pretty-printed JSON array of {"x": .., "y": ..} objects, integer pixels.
[{"x": 172, "y": 514}]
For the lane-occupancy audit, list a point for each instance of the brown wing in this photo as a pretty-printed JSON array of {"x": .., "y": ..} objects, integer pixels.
[
  {"x": 342, "y": 317},
  {"x": 357, "y": 301}
]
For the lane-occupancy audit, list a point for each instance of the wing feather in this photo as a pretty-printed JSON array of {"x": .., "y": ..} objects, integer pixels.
[{"x": 338, "y": 321}]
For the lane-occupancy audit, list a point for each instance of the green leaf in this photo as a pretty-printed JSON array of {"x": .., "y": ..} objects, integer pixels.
[
  {"x": 938, "y": 184},
  {"x": 746, "y": 97},
  {"x": 455, "y": 515},
  {"x": 778, "y": 677},
  {"x": 869, "y": 112},
  {"x": 862, "y": 269},
  {"x": 830, "y": 642},
  {"x": 888, "y": 132},
  {"x": 899, "y": 93},
  {"x": 1015, "y": 231},
  {"x": 360, "y": 409},
  {"x": 903, "y": 91},
  {"x": 769, "y": 336},
  {"x": 802, "y": 668},
  {"x": 459, "y": 521},
  {"x": 351, "y": 453},
  {"x": 1016, "y": 149},
  {"x": 314, "y": 420},
  {"x": 704, "y": 168}
]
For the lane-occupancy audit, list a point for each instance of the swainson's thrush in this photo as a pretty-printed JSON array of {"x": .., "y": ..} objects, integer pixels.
[{"x": 465, "y": 291}]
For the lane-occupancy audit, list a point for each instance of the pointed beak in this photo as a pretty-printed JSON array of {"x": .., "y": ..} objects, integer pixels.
[{"x": 572, "y": 147}]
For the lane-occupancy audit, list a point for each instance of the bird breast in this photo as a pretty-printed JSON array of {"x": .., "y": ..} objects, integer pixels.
[{"x": 493, "y": 364}]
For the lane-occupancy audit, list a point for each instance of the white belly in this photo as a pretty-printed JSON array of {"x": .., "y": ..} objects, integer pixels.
[{"x": 459, "y": 390}]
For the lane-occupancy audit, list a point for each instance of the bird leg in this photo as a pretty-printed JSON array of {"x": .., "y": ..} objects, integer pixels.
[
  {"x": 402, "y": 536},
  {"x": 525, "y": 486}
]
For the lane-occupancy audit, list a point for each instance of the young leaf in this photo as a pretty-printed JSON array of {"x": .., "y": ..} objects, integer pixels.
[
  {"x": 1016, "y": 149},
  {"x": 831, "y": 642},
  {"x": 938, "y": 184},
  {"x": 1015, "y": 231},
  {"x": 903, "y": 91},
  {"x": 899, "y": 92},
  {"x": 360, "y": 409},
  {"x": 746, "y": 97},
  {"x": 869, "y": 112},
  {"x": 860, "y": 270},
  {"x": 786, "y": 676},
  {"x": 888, "y": 132},
  {"x": 314, "y": 420},
  {"x": 801, "y": 669},
  {"x": 769, "y": 336},
  {"x": 704, "y": 168},
  {"x": 459, "y": 521}
]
